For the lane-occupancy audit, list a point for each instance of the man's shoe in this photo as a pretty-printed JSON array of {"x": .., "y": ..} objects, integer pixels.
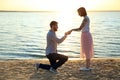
[
  {"x": 53, "y": 70},
  {"x": 36, "y": 67}
]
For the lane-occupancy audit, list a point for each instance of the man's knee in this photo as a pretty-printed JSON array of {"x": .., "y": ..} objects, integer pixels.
[{"x": 65, "y": 58}]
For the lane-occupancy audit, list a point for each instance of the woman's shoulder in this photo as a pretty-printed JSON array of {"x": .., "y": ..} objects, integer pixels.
[{"x": 86, "y": 19}]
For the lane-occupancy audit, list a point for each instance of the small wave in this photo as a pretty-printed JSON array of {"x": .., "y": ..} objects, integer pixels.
[
  {"x": 22, "y": 55},
  {"x": 68, "y": 51},
  {"x": 115, "y": 43}
]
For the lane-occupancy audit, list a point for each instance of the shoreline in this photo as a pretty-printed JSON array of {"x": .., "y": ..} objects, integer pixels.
[
  {"x": 96, "y": 58},
  {"x": 103, "y": 69}
]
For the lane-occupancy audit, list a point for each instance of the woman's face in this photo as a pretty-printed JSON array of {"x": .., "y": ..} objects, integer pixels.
[{"x": 79, "y": 13}]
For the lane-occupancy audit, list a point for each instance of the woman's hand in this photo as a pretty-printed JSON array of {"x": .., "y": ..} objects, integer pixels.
[{"x": 68, "y": 32}]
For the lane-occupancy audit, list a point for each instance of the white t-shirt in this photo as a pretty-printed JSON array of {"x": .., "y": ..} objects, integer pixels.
[{"x": 87, "y": 24}]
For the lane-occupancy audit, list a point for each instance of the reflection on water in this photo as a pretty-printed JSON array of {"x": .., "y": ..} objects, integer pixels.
[{"x": 23, "y": 35}]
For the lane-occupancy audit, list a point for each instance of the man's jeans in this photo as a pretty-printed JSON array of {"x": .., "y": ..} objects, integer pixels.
[{"x": 56, "y": 60}]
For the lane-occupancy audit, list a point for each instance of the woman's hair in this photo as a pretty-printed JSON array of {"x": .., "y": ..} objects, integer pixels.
[
  {"x": 53, "y": 23},
  {"x": 82, "y": 10}
]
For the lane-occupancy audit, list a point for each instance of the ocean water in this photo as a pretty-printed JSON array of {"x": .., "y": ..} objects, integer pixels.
[{"x": 23, "y": 34}]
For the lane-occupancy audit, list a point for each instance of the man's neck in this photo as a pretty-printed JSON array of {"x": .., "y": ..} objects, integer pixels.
[{"x": 52, "y": 30}]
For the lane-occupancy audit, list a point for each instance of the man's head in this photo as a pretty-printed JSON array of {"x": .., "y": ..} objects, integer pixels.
[{"x": 54, "y": 25}]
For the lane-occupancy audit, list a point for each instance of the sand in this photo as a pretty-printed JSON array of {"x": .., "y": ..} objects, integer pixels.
[{"x": 104, "y": 69}]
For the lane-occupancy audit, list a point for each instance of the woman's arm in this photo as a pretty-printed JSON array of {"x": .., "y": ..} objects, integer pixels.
[{"x": 81, "y": 26}]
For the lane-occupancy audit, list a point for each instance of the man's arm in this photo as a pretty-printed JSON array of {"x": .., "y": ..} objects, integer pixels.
[{"x": 54, "y": 38}]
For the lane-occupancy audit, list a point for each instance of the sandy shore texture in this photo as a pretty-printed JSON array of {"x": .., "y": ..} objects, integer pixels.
[{"x": 104, "y": 69}]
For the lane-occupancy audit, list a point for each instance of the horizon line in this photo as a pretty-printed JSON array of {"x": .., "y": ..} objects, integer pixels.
[{"x": 56, "y": 11}]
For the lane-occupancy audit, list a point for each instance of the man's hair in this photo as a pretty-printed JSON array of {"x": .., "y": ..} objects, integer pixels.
[
  {"x": 82, "y": 10},
  {"x": 53, "y": 23}
]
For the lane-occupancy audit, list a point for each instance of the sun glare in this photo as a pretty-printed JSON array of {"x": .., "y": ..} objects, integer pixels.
[
  {"x": 73, "y": 5},
  {"x": 65, "y": 20},
  {"x": 58, "y": 5},
  {"x": 89, "y": 4}
]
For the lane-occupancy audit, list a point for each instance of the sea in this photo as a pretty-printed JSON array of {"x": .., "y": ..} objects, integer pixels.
[{"x": 23, "y": 34}]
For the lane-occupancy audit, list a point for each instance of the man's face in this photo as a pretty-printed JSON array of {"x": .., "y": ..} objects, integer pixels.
[{"x": 55, "y": 27}]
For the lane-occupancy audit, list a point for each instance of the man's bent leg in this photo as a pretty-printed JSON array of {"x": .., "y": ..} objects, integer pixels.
[
  {"x": 52, "y": 59},
  {"x": 61, "y": 60}
]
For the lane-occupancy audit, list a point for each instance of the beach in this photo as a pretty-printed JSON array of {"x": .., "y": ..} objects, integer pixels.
[{"x": 103, "y": 69}]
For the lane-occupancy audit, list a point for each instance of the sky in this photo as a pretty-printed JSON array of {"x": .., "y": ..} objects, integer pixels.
[{"x": 59, "y": 5}]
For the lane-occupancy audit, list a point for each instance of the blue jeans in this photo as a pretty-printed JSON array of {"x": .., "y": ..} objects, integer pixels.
[{"x": 56, "y": 60}]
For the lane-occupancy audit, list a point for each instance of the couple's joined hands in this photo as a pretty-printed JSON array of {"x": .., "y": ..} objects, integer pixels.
[{"x": 68, "y": 32}]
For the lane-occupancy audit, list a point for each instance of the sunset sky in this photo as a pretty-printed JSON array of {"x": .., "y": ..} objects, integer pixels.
[{"x": 58, "y": 5}]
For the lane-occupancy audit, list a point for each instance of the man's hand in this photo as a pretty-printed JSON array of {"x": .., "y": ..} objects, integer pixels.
[{"x": 68, "y": 32}]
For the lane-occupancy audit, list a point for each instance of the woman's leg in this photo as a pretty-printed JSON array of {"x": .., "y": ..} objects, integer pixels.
[{"x": 87, "y": 63}]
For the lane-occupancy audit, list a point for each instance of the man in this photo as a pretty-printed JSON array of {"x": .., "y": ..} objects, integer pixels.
[{"x": 56, "y": 60}]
